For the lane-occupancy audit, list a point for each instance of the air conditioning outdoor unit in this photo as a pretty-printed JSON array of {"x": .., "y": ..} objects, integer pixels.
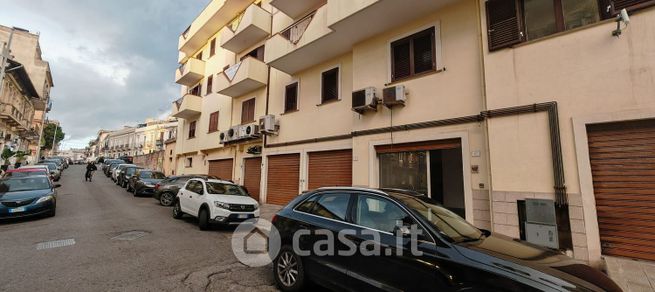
[
  {"x": 395, "y": 95},
  {"x": 249, "y": 131},
  {"x": 233, "y": 133},
  {"x": 224, "y": 137},
  {"x": 364, "y": 100},
  {"x": 268, "y": 125}
]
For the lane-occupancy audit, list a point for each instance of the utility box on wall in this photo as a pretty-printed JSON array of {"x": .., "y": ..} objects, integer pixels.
[{"x": 541, "y": 223}]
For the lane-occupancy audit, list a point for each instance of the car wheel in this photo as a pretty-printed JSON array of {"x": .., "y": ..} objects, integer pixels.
[
  {"x": 203, "y": 219},
  {"x": 177, "y": 210},
  {"x": 166, "y": 199},
  {"x": 135, "y": 192},
  {"x": 288, "y": 270},
  {"x": 128, "y": 188},
  {"x": 52, "y": 212}
]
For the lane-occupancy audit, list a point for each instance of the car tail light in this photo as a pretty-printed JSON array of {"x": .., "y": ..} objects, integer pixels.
[
  {"x": 156, "y": 187},
  {"x": 274, "y": 219}
]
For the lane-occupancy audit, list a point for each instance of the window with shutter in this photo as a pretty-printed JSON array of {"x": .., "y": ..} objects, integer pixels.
[
  {"x": 503, "y": 23},
  {"x": 330, "y": 85},
  {"x": 213, "y": 122},
  {"x": 413, "y": 55},
  {"x": 630, "y": 5},
  {"x": 291, "y": 97},
  {"x": 210, "y": 81},
  {"x": 192, "y": 130},
  {"x": 257, "y": 53},
  {"x": 212, "y": 48},
  {"x": 248, "y": 111}
]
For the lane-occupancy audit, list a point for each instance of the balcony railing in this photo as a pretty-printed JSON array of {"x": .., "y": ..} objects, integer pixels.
[
  {"x": 295, "y": 8},
  {"x": 12, "y": 115},
  {"x": 187, "y": 107},
  {"x": 294, "y": 32},
  {"x": 242, "y": 77},
  {"x": 247, "y": 29}
]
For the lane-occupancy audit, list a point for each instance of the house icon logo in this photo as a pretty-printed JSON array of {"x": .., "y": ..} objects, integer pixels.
[{"x": 256, "y": 242}]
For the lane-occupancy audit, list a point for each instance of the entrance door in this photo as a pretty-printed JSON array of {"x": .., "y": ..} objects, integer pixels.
[
  {"x": 252, "y": 176},
  {"x": 622, "y": 157},
  {"x": 221, "y": 168}
]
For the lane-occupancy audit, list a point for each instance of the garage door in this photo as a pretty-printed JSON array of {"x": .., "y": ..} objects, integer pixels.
[
  {"x": 221, "y": 168},
  {"x": 623, "y": 168},
  {"x": 252, "y": 176},
  {"x": 330, "y": 168},
  {"x": 282, "y": 178}
]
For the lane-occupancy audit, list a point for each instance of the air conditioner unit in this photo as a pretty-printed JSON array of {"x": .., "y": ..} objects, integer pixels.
[
  {"x": 237, "y": 133},
  {"x": 224, "y": 137},
  {"x": 249, "y": 131},
  {"x": 268, "y": 125},
  {"x": 364, "y": 100},
  {"x": 395, "y": 95}
]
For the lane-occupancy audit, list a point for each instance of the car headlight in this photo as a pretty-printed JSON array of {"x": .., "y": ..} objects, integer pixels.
[
  {"x": 44, "y": 199},
  {"x": 222, "y": 205},
  {"x": 256, "y": 206}
]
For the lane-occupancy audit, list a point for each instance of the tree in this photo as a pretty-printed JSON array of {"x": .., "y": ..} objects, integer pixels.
[{"x": 48, "y": 134}]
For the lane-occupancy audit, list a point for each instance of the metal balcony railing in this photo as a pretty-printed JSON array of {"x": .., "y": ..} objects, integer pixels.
[{"x": 294, "y": 32}]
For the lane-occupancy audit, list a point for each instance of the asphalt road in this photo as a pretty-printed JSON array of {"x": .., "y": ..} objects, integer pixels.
[{"x": 171, "y": 255}]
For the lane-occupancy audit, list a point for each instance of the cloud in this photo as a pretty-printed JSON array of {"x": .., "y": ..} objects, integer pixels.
[{"x": 113, "y": 62}]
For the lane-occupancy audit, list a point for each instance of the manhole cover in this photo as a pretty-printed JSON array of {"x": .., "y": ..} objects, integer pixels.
[
  {"x": 130, "y": 235},
  {"x": 55, "y": 244}
]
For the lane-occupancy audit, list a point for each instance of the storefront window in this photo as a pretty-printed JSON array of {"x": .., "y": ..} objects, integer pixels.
[{"x": 404, "y": 170}]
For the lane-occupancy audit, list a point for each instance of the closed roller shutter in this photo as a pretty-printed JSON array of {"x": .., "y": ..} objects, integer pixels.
[
  {"x": 623, "y": 168},
  {"x": 282, "y": 178},
  {"x": 330, "y": 168},
  {"x": 221, "y": 168},
  {"x": 252, "y": 176}
]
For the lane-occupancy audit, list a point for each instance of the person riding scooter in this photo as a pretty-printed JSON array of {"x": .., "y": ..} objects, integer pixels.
[{"x": 90, "y": 168}]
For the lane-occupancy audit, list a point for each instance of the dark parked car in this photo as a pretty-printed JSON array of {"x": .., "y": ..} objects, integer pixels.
[
  {"x": 27, "y": 196},
  {"x": 111, "y": 168},
  {"x": 166, "y": 190},
  {"x": 143, "y": 182},
  {"x": 119, "y": 171},
  {"x": 126, "y": 174},
  {"x": 108, "y": 163},
  {"x": 424, "y": 247}
]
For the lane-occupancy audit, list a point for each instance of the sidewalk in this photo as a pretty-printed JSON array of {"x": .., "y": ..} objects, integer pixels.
[{"x": 631, "y": 275}]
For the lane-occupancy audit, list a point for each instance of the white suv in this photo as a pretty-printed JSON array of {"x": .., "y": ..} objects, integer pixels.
[{"x": 214, "y": 201}]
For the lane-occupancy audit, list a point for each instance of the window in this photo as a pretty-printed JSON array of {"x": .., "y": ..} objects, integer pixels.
[
  {"x": 257, "y": 53},
  {"x": 189, "y": 162},
  {"x": 210, "y": 81},
  {"x": 307, "y": 205},
  {"x": 212, "y": 48},
  {"x": 199, "y": 56},
  {"x": 332, "y": 206},
  {"x": 413, "y": 55},
  {"x": 379, "y": 214},
  {"x": 330, "y": 85},
  {"x": 192, "y": 130},
  {"x": 213, "y": 122},
  {"x": 291, "y": 97},
  {"x": 248, "y": 111},
  {"x": 196, "y": 90}
]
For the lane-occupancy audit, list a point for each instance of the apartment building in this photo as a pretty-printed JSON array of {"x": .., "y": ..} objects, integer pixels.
[
  {"x": 25, "y": 50},
  {"x": 17, "y": 109},
  {"x": 121, "y": 142},
  {"x": 150, "y": 135},
  {"x": 482, "y": 105}
]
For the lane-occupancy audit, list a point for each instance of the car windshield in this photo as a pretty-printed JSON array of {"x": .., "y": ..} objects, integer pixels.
[
  {"x": 225, "y": 189},
  {"x": 24, "y": 184},
  {"x": 51, "y": 166},
  {"x": 25, "y": 173},
  {"x": 130, "y": 171},
  {"x": 444, "y": 220},
  {"x": 152, "y": 175}
]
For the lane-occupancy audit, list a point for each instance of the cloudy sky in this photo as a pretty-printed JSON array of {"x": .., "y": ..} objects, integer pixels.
[{"x": 113, "y": 62}]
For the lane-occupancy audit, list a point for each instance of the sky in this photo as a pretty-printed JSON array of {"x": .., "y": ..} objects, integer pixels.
[{"x": 113, "y": 62}]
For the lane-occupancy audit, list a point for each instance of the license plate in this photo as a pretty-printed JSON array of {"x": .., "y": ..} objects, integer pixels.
[
  {"x": 17, "y": 210},
  {"x": 242, "y": 216}
]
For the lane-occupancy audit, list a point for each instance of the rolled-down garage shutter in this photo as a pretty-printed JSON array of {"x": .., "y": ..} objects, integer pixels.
[
  {"x": 282, "y": 178},
  {"x": 252, "y": 176},
  {"x": 221, "y": 168},
  {"x": 622, "y": 159},
  {"x": 330, "y": 168}
]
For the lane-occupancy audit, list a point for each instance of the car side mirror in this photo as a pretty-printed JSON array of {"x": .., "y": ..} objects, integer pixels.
[{"x": 57, "y": 186}]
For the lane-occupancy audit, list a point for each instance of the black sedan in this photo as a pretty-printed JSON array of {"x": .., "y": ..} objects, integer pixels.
[
  {"x": 27, "y": 196},
  {"x": 166, "y": 190},
  {"x": 143, "y": 182},
  {"x": 401, "y": 241}
]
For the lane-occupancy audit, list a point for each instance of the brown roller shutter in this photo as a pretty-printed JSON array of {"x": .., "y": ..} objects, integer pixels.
[
  {"x": 221, "y": 168},
  {"x": 283, "y": 178},
  {"x": 622, "y": 157},
  {"x": 419, "y": 146},
  {"x": 252, "y": 176},
  {"x": 503, "y": 23},
  {"x": 330, "y": 168}
]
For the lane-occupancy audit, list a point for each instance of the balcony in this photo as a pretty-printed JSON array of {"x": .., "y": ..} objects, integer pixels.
[
  {"x": 12, "y": 116},
  {"x": 249, "y": 28},
  {"x": 187, "y": 107},
  {"x": 190, "y": 72},
  {"x": 295, "y": 8},
  {"x": 242, "y": 77},
  {"x": 334, "y": 28},
  {"x": 216, "y": 15},
  {"x": 40, "y": 104}
]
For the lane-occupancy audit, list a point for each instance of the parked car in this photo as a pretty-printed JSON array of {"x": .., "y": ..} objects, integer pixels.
[
  {"x": 60, "y": 166},
  {"x": 116, "y": 169},
  {"x": 111, "y": 168},
  {"x": 23, "y": 172},
  {"x": 166, "y": 190},
  {"x": 127, "y": 159},
  {"x": 108, "y": 162},
  {"x": 54, "y": 170},
  {"x": 119, "y": 171},
  {"x": 143, "y": 182},
  {"x": 454, "y": 255},
  {"x": 27, "y": 196},
  {"x": 214, "y": 201},
  {"x": 126, "y": 174}
]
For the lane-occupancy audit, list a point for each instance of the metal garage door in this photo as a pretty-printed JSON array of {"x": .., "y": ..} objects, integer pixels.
[
  {"x": 623, "y": 169},
  {"x": 282, "y": 178},
  {"x": 221, "y": 168},
  {"x": 252, "y": 176},
  {"x": 330, "y": 168}
]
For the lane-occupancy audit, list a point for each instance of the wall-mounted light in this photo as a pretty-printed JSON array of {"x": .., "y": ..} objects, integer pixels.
[{"x": 621, "y": 17}]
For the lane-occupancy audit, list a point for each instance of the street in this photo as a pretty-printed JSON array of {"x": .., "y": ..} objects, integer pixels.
[{"x": 120, "y": 243}]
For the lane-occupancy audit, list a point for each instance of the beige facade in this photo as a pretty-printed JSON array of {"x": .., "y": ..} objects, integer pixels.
[
  {"x": 150, "y": 135},
  {"x": 121, "y": 143},
  {"x": 474, "y": 131}
]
